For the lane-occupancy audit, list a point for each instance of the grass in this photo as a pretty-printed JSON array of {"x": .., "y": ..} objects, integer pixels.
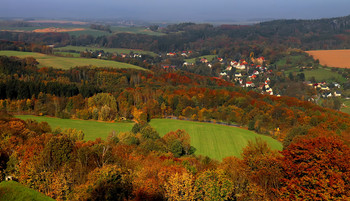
[
  {"x": 111, "y": 50},
  {"x": 213, "y": 140},
  {"x": 67, "y": 54},
  {"x": 324, "y": 74},
  {"x": 67, "y": 62},
  {"x": 14, "y": 191},
  {"x": 208, "y": 57},
  {"x": 346, "y": 107},
  {"x": 93, "y": 32},
  {"x": 92, "y": 129}
]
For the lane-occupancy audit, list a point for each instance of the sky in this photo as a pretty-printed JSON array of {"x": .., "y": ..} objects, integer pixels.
[{"x": 176, "y": 10}]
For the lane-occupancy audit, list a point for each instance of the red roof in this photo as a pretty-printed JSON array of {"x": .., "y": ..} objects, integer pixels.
[{"x": 249, "y": 82}]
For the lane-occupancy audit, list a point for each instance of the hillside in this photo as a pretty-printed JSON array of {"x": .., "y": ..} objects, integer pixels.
[
  {"x": 215, "y": 141},
  {"x": 66, "y": 62},
  {"x": 13, "y": 191}
]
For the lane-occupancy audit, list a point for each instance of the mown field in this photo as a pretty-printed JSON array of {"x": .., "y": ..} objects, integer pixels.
[
  {"x": 208, "y": 57},
  {"x": 88, "y": 31},
  {"x": 67, "y": 62},
  {"x": 332, "y": 58},
  {"x": 14, "y": 191},
  {"x": 346, "y": 106},
  {"x": 213, "y": 140},
  {"x": 324, "y": 74},
  {"x": 111, "y": 50},
  {"x": 92, "y": 129}
]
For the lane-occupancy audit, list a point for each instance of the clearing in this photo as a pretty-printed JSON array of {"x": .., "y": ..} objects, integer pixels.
[
  {"x": 213, "y": 140},
  {"x": 110, "y": 50},
  {"x": 14, "y": 191},
  {"x": 67, "y": 62},
  {"x": 332, "y": 58}
]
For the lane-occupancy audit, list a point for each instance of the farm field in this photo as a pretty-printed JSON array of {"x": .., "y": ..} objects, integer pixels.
[
  {"x": 323, "y": 74},
  {"x": 332, "y": 58},
  {"x": 346, "y": 107},
  {"x": 92, "y": 129},
  {"x": 213, "y": 140},
  {"x": 67, "y": 62},
  {"x": 111, "y": 50},
  {"x": 14, "y": 191},
  {"x": 208, "y": 57},
  {"x": 87, "y": 30}
]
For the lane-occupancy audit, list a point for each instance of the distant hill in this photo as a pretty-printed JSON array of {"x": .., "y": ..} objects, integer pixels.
[{"x": 14, "y": 191}]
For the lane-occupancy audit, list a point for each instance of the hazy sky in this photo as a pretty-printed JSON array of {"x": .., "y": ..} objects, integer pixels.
[{"x": 176, "y": 10}]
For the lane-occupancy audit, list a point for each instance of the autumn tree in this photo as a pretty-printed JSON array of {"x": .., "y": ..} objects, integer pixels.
[{"x": 316, "y": 169}]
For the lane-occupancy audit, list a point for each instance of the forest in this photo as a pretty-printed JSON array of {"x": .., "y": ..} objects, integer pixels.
[
  {"x": 142, "y": 165},
  {"x": 139, "y": 164}
]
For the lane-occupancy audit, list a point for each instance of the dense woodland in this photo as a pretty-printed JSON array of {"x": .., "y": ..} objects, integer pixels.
[{"x": 141, "y": 165}]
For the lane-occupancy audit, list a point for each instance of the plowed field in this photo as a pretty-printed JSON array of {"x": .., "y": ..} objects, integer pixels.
[{"x": 332, "y": 58}]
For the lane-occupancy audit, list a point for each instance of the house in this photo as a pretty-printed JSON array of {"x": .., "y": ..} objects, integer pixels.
[
  {"x": 249, "y": 84},
  {"x": 229, "y": 68},
  {"x": 171, "y": 54},
  {"x": 327, "y": 95},
  {"x": 184, "y": 54},
  {"x": 238, "y": 74},
  {"x": 234, "y": 63},
  {"x": 337, "y": 94},
  {"x": 240, "y": 67},
  {"x": 204, "y": 60},
  {"x": 209, "y": 65},
  {"x": 220, "y": 59},
  {"x": 252, "y": 77},
  {"x": 324, "y": 88},
  {"x": 256, "y": 72},
  {"x": 337, "y": 85},
  {"x": 223, "y": 73}
]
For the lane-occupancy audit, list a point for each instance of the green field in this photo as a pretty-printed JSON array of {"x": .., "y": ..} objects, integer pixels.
[
  {"x": 67, "y": 62},
  {"x": 13, "y": 191},
  {"x": 324, "y": 74},
  {"x": 67, "y": 54},
  {"x": 111, "y": 50},
  {"x": 208, "y": 57},
  {"x": 213, "y": 140},
  {"x": 88, "y": 31},
  {"x": 92, "y": 129},
  {"x": 346, "y": 107}
]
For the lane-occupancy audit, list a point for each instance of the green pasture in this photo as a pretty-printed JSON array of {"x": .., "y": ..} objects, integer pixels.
[
  {"x": 92, "y": 129},
  {"x": 213, "y": 140},
  {"x": 67, "y": 62},
  {"x": 135, "y": 30},
  {"x": 324, "y": 74},
  {"x": 346, "y": 107},
  {"x": 66, "y": 54},
  {"x": 88, "y": 31},
  {"x": 111, "y": 50},
  {"x": 14, "y": 191},
  {"x": 208, "y": 57}
]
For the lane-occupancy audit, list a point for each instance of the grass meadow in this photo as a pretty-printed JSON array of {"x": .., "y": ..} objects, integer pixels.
[
  {"x": 213, "y": 140},
  {"x": 111, "y": 50},
  {"x": 14, "y": 191},
  {"x": 346, "y": 106},
  {"x": 68, "y": 62},
  {"x": 208, "y": 57}
]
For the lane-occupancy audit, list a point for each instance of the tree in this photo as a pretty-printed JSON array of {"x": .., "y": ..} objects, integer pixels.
[
  {"x": 214, "y": 185},
  {"x": 180, "y": 187},
  {"x": 106, "y": 183},
  {"x": 316, "y": 169}
]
